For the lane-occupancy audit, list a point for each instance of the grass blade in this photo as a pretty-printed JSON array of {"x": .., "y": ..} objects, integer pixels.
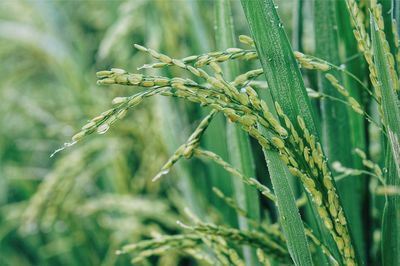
[
  {"x": 259, "y": 16},
  {"x": 391, "y": 118},
  {"x": 281, "y": 69},
  {"x": 289, "y": 216}
]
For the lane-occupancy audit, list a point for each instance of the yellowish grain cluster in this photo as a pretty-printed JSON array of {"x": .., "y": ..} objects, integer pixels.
[
  {"x": 264, "y": 190},
  {"x": 102, "y": 122},
  {"x": 240, "y": 103},
  {"x": 360, "y": 33},
  {"x": 246, "y": 77},
  {"x": 396, "y": 43},
  {"x": 377, "y": 13},
  {"x": 355, "y": 105},
  {"x": 364, "y": 44},
  {"x": 199, "y": 60},
  {"x": 303, "y": 155},
  {"x": 246, "y": 40},
  {"x": 309, "y": 62},
  {"x": 243, "y": 107},
  {"x": 160, "y": 245},
  {"x": 375, "y": 168},
  {"x": 263, "y": 241},
  {"x": 186, "y": 150},
  {"x": 324, "y": 249}
]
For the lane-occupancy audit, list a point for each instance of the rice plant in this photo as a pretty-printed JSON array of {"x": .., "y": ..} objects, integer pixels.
[{"x": 294, "y": 156}]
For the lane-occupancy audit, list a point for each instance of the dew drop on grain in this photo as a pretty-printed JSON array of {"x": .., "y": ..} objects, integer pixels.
[{"x": 103, "y": 128}]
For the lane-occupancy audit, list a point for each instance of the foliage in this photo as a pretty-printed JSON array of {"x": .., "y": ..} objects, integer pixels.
[{"x": 317, "y": 183}]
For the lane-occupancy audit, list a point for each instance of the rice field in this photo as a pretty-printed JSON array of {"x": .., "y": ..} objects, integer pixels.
[{"x": 187, "y": 132}]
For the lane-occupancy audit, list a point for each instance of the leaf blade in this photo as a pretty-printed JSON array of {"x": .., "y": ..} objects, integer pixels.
[
  {"x": 292, "y": 226},
  {"x": 391, "y": 117}
]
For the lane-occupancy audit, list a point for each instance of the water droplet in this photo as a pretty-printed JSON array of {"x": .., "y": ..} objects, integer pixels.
[
  {"x": 280, "y": 25},
  {"x": 276, "y": 6},
  {"x": 243, "y": 90},
  {"x": 103, "y": 128},
  {"x": 342, "y": 66}
]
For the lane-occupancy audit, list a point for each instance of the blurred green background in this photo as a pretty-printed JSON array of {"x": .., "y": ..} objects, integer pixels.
[{"x": 80, "y": 206}]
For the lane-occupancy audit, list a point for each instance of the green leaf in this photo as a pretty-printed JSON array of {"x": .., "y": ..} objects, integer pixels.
[
  {"x": 267, "y": 30},
  {"x": 391, "y": 121},
  {"x": 289, "y": 216}
]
